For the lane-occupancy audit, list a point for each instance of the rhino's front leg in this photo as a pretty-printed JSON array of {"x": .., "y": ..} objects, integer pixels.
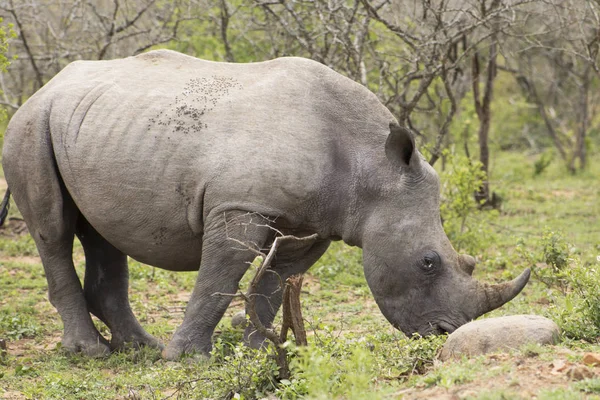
[
  {"x": 224, "y": 262},
  {"x": 291, "y": 260}
]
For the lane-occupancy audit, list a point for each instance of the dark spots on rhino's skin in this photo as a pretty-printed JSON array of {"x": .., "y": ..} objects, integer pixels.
[
  {"x": 183, "y": 193},
  {"x": 200, "y": 96},
  {"x": 159, "y": 235},
  {"x": 28, "y": 128}
]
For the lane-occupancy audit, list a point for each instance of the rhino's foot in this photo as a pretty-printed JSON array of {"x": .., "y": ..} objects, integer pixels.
[
  {"x": 134, "y": 341},
  {"x": 91, "y": 347},
  {"x": 254, "y": 339},
  {"x": 177, "y": 349}
]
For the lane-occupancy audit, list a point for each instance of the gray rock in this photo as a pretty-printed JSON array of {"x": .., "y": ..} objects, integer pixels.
[
  {"x": 239, "y": 320},
  {"x": 499, "y": 334}
]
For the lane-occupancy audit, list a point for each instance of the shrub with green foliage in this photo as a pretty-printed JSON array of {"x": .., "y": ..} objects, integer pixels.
[
  {"x": 576, "y": 306},
  {"x": 246, "y": 373},
  {"x": 347, "y": 367},
  {"x": 331, "y": 366},
  {"x": 6, "y": 33},
  {"x": 467, "y": 227},
  {"x": 235, "y": 371},
  {"x": 578, "y": 313},
  {"x": 18, "y": 326},
  {"x": 543, "y": 162},
  {"x": 550, "y": 261}
]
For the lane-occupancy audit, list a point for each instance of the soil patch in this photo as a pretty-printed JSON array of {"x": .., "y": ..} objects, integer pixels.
[{"x": 14, "y": 227}]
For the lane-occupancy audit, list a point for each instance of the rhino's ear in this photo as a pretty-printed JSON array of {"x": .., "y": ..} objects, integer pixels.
[{"x": 400, "y": 145}]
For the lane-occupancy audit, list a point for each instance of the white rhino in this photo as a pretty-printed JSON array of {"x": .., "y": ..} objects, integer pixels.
[{"x": 164, "y": 158}]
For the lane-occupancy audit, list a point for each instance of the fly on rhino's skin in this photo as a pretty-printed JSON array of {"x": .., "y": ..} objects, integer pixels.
[
  {"x": 110, "y": 151},
  {"x": 199, "y": 96}
]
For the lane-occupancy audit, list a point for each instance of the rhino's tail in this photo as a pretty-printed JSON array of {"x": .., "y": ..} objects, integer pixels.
[{"x": 4, "y": 207}]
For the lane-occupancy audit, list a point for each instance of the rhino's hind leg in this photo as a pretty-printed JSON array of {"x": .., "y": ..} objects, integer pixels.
[
  {"x": 80, "y": 334},
  {"x": 105, "y": 287},
  {"x": 51, "y": 214},
  {"x": 290, "y": 260}
]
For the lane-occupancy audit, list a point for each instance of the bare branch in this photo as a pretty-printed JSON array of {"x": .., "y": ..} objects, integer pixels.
[
  {"x": 38, "y": 75},
  {"x": 250, "y": 298},
  {"x": 436, "y": 152},
  {"x": 225, "y": 16}
]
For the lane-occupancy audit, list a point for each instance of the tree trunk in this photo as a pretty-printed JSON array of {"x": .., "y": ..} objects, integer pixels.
[
  {"x": 483, "y": 195},
  {"x": 224, "y": 25},
  {"x": 292, "y": 311},
  {"x": 484, "y": 113},
  {"x": 579, "y": 151}
]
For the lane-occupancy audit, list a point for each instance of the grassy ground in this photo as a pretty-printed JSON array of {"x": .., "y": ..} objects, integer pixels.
[{"x": 353, "y": 352}]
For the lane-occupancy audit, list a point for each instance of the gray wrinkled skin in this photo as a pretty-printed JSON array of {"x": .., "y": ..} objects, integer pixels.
[{"x": 164, "y": 158}]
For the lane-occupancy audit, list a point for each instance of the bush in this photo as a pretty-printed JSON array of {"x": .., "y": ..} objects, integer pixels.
[
  {"x": 549, "y": 263},
  {"x": 543, "y": 162},
  {"x": 578, "y": 314},
  {"x": 6, "y": 33},
  {"x": 467, "y": 227},
  {"x": 350, "y": 367},
  {"x": 18, "y": 326},
  {"x": 577, "y": 308}
]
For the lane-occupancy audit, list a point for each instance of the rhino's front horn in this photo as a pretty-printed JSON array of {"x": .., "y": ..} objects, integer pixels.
[{"x": 491, "y": 297}]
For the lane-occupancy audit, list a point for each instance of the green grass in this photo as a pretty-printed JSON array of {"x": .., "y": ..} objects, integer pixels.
[
  {"x": 555, "y": 199},
  {"x": 353, "y": 352}
]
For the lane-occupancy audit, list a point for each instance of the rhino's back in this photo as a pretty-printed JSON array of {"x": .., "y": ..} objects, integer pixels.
[{"x": 148, "y": 146}]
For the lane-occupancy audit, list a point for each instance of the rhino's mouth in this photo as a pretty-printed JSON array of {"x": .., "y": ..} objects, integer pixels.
[
  {"x": 445, "y": 327},
  {"x": 440, "y": 328}
]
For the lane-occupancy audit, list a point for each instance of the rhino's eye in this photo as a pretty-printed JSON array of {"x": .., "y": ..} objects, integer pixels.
[{"x": 430, "y": 262}]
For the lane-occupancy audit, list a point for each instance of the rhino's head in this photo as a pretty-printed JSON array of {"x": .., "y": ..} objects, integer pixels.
[{"x": 419, "y": 281}]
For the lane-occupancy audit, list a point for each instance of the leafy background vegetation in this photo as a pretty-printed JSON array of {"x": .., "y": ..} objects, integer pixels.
[{"x": 546, "y": 215}]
